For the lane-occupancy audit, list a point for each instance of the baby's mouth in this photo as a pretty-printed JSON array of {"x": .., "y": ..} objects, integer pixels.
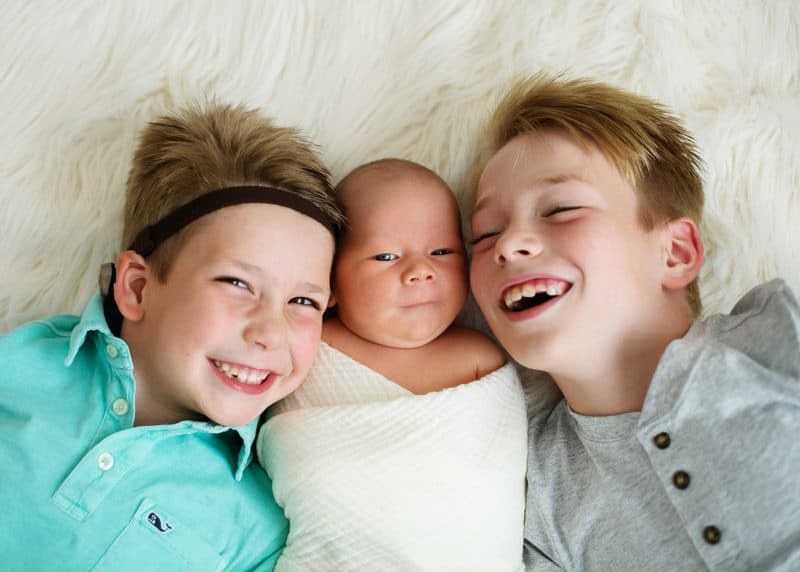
[
  {"x": 242, "y": 374},
  {"x": 533, "y": 293}
]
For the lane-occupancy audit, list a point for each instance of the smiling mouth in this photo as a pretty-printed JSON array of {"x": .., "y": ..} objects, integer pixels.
[
  {"x": 242, "y": 374},
  {"x": 533, "y": 293}
]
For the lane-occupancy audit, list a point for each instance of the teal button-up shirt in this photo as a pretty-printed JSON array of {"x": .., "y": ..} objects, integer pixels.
[{"x": 82, "y": 489}]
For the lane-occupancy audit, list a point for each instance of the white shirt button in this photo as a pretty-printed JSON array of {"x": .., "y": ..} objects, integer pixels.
[
  {"x": 120, "y": 407},
  {"x": 112, "y": 351},
  {"x": 105, "y": 461}
]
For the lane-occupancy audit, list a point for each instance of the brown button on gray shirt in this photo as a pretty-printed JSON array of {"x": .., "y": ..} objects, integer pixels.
[{"x": 706, "y": 477}]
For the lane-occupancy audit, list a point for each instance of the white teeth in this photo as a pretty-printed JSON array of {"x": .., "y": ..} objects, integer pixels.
[
  {"x": 243, "y": 375},
  {"x": 513, "y": 295},
  {"x": 530, "y": 290}
]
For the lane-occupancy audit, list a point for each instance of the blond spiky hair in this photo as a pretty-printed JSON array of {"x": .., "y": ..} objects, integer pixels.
[
  {"x": 195, "y": 151},
  {"x": 649, "y": 145}
]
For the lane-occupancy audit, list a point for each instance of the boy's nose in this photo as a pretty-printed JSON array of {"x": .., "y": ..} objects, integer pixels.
[
  {"x": 418, "y": 271},
  {"x": 516, "y": 245},
  {"x": 265, "y": 329}
]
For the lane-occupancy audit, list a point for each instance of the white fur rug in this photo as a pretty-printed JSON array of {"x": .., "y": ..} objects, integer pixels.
[{"x": 367, "y": 79}]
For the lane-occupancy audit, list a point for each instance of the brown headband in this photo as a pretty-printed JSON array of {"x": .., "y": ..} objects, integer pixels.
[{"x": 152, "y": 236}]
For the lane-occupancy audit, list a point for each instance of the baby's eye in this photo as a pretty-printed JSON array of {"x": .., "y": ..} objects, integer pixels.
[
  {"x": 442, "y": 251},
  {"x": 385, "y": 257},
  {"x": 237, "y": 282},
  {"x": 304, "y": 301}
]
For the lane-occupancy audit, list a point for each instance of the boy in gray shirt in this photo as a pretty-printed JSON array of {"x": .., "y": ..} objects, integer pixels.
[{"x": 674, "y": 446}]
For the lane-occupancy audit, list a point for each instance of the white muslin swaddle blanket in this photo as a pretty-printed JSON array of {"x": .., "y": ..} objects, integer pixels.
[{"x": 374, "y": 477}]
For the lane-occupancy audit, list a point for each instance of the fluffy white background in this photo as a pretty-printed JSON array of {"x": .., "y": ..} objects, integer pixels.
[{"x": 367, "y": 79}]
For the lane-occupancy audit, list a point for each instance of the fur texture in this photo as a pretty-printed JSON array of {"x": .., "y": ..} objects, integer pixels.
[{"x": 365, "y": 80}]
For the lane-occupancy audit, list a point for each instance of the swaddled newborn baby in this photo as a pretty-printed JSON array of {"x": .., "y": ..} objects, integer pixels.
[{"x": 405, "y": 448}]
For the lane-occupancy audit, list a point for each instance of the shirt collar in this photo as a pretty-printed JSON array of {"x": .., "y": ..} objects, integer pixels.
[
  {"x": 94, "y": 320},
  {"x": 246, "y": 432}
]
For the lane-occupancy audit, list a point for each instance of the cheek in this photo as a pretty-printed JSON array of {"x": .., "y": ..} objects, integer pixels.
[
  {"x": 180, "y": 331},
  {"x": 478, "y": 275},
  {"x": 305, "y": 342},
  {"x": 368, "y": 295},
  {"x": 600, "y": 251},
  {"x": 458, "y": 282},
  {"x": 348, "y": 284},
  {"x": 462, "y": 267}
]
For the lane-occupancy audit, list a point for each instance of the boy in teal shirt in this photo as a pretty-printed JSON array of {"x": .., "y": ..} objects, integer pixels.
[{"x": 126, "y": 433}]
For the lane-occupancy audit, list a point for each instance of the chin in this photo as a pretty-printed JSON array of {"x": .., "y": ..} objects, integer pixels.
[
  {"x": 417, "y": 339},
  {"x": 408, "y": 344},
  {"x": 231, "y": 420}
]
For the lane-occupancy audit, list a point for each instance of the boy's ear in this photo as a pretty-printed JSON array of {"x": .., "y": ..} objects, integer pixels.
[
  {"x": 332, "y": 300},
  {"x": 132, "y": 276},
  {"x": 684, "y": 253}
]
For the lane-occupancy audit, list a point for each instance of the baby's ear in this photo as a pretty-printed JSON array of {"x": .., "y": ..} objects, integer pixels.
[
  {"x": 684, "y": 253},
  {"x": 132, "y": 275}
]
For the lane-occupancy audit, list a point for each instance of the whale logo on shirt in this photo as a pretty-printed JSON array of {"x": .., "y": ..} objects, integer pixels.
[{"x": 156, "y": 521}]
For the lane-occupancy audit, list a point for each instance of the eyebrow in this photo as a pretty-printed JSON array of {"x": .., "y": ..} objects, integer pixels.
[
  {"x": 557, "y": 179},
  {"x": 251, "y": 268},
  {"x": 315, "y": 288}
]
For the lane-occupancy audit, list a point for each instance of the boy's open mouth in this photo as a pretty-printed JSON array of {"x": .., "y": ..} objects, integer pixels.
[
  {"x": 241, "y": 373},
  {"x": 533, "y": 293}
]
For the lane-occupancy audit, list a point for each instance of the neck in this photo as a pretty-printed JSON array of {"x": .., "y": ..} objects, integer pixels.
[
  {"x": 153, "y": 406},
  {"x": 618, "y": 381}
]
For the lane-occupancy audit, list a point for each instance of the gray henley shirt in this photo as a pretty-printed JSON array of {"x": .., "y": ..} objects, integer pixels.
[{"x": 706, "y": 477}]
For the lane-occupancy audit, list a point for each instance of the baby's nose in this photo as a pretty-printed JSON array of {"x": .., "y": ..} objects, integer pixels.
[{"x": 419, "y": 272}]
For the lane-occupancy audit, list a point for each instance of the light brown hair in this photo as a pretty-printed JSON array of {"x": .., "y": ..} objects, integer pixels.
[
  {"x": 648, "y": 144},
  {"x": 185, "y": 155}
]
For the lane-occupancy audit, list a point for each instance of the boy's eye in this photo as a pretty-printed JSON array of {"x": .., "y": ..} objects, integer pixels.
[
  {"x": 237, "y": 282},
  {"x": 385, "y": 257},
  {"x": 442, "y": 251},
  {"x": 304, "y": 301},
  {"x": 481, "y": 237},
  {"x": 560, "y": 209}
]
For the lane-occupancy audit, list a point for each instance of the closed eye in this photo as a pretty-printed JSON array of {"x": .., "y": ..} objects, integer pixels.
[
  {"x": 305, "y": 301},
  {"x": 385, "y": 257},
  {"x": 558, "y": 209},
  {"x": 481, "y": 237},
  {"x": 237, "y": 282}
]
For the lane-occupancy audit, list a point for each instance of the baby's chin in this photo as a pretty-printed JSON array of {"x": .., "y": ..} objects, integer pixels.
[{"x": 411, "y": 340}]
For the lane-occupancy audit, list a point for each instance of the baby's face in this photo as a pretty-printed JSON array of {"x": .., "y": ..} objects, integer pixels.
[
  {"x": 562, "y": 266},
  {"x": 236, "y": 324},
  {"x": 400, "y": 276}
]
